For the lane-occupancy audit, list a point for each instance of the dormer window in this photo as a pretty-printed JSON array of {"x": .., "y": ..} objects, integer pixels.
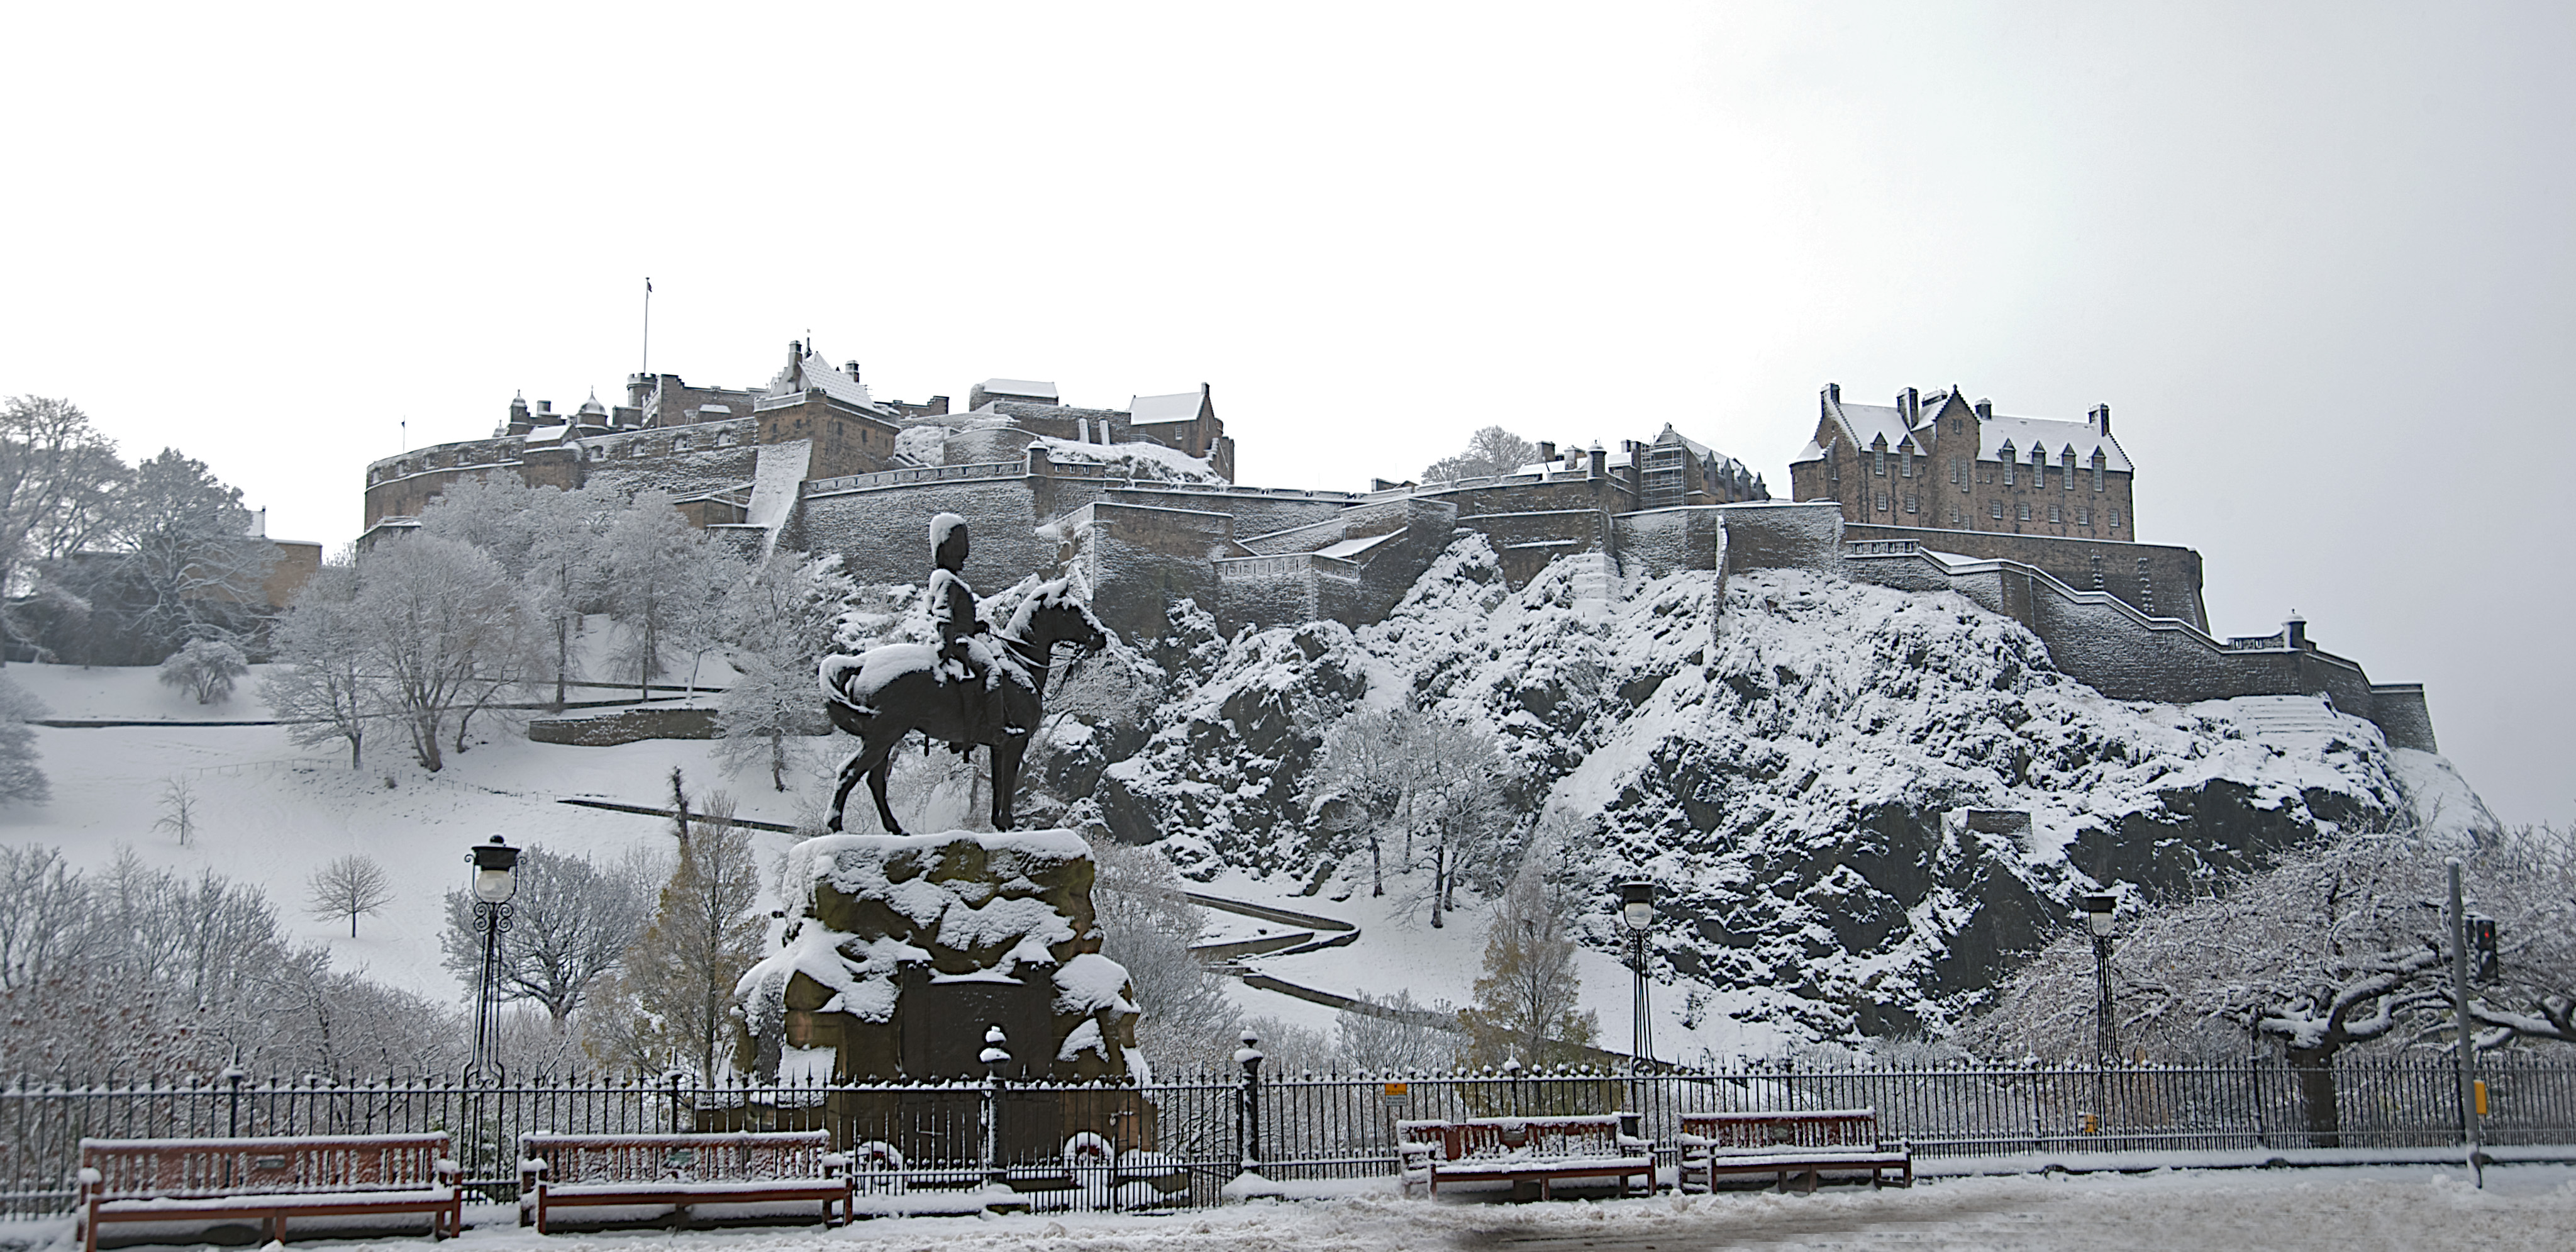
[
  {"x": 2097, "y": 471},
  {"x": 2011, "y": 464},
  {"x": 2066, "y": 468},
  {"x": 1878, "y": 458}
]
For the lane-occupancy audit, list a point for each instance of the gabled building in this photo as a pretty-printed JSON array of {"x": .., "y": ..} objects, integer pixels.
[{"x": 1940, "y": 462}]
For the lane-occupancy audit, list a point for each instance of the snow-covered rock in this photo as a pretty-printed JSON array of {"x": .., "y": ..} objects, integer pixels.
[{"x": 1794, "y": 771}]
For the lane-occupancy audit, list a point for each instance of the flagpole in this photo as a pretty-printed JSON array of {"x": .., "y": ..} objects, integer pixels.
[{"x": 648, "y": 327}]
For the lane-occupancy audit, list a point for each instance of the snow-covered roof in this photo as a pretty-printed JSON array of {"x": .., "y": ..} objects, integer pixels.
[
  {"x": 1136, "y": 460},
  {"x": 1180, "y": 406},
  {"x": 1812, "y": 452},
  {"x": 2052, "y": 437},
  {"x": 1869, "y": 423},
  {"x": 1698, "y": 450},
  {"x": 813, "y": 373},
  {"x": 1020, "y": 389}
]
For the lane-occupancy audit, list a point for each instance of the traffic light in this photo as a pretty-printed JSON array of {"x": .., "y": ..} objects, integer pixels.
[{"x": 2482, "y": 941}]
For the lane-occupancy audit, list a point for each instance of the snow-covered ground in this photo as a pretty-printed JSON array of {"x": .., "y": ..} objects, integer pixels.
[{"x": 2522, "y": 1209}]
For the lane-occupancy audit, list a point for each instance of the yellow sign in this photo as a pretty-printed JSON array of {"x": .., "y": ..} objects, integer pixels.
[{"x": 2481, "y": 1086}]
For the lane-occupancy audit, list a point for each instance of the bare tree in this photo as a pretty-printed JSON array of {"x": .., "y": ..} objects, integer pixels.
[
  {"x": 58, "y": 480},
  {"x": 1185, "y": 1020},
  {"x": 328, "y": 689},
  {"x": 1492, "y": 450},
  {"x": 351, "y": 885},
  {"x": 178, "y": 808},
  {"x": 1395, "y": 1035},
  {"x": 20, "y": 780},
  {"x": 574, "y": 920},
  {"x": 447, "y": 629},
  {"x": 187, "y": 562},
  {"x": 778, "y": 622},
  {"x": 666, "y": 576}
]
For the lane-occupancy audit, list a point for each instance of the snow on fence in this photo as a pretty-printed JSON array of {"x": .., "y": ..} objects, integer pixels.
[{"x": 1176, "y": 1143}]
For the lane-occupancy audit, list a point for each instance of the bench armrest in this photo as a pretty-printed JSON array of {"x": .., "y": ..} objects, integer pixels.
[
  {"x": 90, "y": 1177},
  {"x": 531, "y": 1169},
  {"x": 1633, "y": 1142},
  {"x": 836, "y": 1164}
]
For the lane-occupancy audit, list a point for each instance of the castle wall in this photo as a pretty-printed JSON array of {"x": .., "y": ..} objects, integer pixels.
[
  {"x": 844, "y": 442},
  {"x": 1658, "y": 542},
  {"x": 1526, "y": 542},
  {"x": 2158, "y": 580},
  {"x": 1780, "y": 535},
  {"x": 1139, "y": 559},
  {"x": 883, "y": 533}
]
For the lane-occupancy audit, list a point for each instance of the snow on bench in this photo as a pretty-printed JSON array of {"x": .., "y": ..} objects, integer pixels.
[
  {"x": 1788, "y": 1144},
  {"x": 268, "y": 1177},
  {"x": 1543, "y": 1149},
  {"x": 680, "y": 1170}
]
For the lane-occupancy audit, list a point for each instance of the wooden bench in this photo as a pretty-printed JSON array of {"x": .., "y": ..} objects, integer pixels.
[
  {"x": 559, "y": 1171},
  {"x": 1823, "y": 1141},
  {"x": 1516, "y": 1149},
  {"x": 270, "y": 1178}
]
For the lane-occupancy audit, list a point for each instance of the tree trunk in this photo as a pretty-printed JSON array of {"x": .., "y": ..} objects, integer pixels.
[
  {"x": 1439, "y": 872},
  {"x": 1377, "y": 865},
  {"x": 2315, "y": 1070},
  {"x": 563, "y": 658},
  {"x": 778, "y": 760}
]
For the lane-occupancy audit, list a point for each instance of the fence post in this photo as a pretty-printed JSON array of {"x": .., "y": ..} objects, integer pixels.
[
  {"x": 994, "y": 1058},
  {"x": 1247, "y": 1109}
]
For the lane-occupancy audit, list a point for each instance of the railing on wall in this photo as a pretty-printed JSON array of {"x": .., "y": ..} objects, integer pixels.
[{"x": 1176, "y": 1142}]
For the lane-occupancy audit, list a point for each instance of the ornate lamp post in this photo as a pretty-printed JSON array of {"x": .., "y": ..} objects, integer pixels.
[
  {"x": 1637, "y": 913},
  {"x": 2098, "y": 909},
  {"x": 495, "y": 881}
]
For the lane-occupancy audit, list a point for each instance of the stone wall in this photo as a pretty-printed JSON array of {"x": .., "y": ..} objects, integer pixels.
[
  {"x": 2159, "y": 580},
  {"x": 604, "y": 730},
  {"x": 1140, "y": 559}
]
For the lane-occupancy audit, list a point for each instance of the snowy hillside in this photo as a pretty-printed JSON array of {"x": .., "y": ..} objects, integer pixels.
[{"x": 1793, "y": 771}]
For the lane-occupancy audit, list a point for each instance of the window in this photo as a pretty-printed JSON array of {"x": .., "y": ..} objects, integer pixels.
[
  {"x": 1909, "y": 460},
  {"x": 2053, "y": 514},
  {"x": 1909, "y": 503},
  {"x": 2097, "y": 471},
  {"x": 1882, "y": 502},
  {"x": 2115, "y": 519},
  {"x": 1833, "y": 472},
  {"x": 1996, "y": 508},
  {"x": 2084, "y": 517},
  {"x": 1878, "y": 457},
  {"x": 1958, "y": 471},
  {"x": 1956, "y": 517},
  {"x": 2010, "y": 466},
  {"x": 2022, "y": 514},
  {"x": 2066, "y": 469}
]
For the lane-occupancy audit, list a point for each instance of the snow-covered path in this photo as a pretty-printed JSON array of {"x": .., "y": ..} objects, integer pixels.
[{"x": 2524, "y": 1208}]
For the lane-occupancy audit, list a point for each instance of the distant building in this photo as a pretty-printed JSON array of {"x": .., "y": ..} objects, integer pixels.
[{"x": 1939, "y": 462}]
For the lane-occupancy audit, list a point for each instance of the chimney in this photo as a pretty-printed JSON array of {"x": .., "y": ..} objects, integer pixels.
[
  {"x": 1911, "y": 405},
  {"x": 1546, "y": 450},
  {"x": 851, "y": 369},
  {"x": 2295, "y": 631},
  {"x": 1830, "y": 397},
  {"x": 2101, "y": 416},
  {"x": 1985, "y": 410},
  {"x": 1600, "y": 461}
]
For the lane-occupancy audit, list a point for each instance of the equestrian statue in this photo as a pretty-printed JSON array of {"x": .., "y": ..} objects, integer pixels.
[{"x": 980, "y": 686}]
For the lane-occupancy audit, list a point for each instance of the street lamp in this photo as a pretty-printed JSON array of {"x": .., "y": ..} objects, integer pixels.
[
  {"x": 2098, "y": 908},
  {"x": 1637, "y": 912},
  {"x": 495, "y": 881}
]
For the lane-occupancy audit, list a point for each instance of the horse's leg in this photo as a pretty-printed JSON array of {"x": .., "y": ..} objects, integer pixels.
[
  {"x": 882, "y": 765},
  {"x": 841, "y": 794},
  {"x": 1006, "y": 777}
]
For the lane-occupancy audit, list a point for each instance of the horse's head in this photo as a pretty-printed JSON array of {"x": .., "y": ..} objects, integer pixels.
[{"x": 1051, "y": 615}]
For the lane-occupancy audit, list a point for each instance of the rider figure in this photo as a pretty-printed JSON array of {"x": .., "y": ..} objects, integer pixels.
[{"x": 963, "y": 658}]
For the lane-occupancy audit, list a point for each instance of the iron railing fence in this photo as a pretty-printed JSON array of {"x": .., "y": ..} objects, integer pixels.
[{"x": 1176, "y": 1142}]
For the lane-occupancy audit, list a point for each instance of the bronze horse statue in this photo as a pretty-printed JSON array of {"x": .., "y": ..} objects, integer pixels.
[{"x": 889, "y": 691}]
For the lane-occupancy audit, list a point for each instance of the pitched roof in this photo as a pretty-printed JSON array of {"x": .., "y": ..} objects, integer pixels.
[
  {"x": 1020, "y": 389},
  {"x": 1180, "y": 406},
  {"x": 813, "y": 373},
  {"x": 1868, "y": 423},
  {"x": 2052, "y": 437}
]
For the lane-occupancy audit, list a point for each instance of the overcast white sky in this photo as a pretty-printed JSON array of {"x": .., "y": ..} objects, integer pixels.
[{"x": 2316, "y": 257}]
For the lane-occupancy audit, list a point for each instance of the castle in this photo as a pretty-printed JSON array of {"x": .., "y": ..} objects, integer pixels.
[{"x": 2032, "y": 518}]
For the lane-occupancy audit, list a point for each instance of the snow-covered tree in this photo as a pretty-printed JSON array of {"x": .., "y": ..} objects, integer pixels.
[
  {"x": 348, "y": 886},
  {"x": 669, "y": 1005},
  {"x": 187, "y": 563},
  {"x": 178, "y": 808},
  {"x": 545, "y": 537},
  {"x": 205, "y": 668},
  {"x": 1400, "y": 1037},
  {"x": 1492, "y": 450},
  {"x": 20, "y": 779},
  {"x": 1186, "y": 1023},
  {"x": 1428, "y": 784},
  {"x": 326, "y": 687},
  {"x": 574, "y": 919},
  {"x": 778, "y": 623},
  {"x": 2343, "y": 946},
  {"x": 58, "y": 480},
  {"x": 666, "y": 581},
  {"x": 447, "y": 630},
  {"x": 1364, "y": 781},
  {"x": 1527, "y": 1007}
]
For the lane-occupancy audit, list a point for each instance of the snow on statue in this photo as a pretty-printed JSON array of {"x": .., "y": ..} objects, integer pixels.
[{"x": 980, "y": 686}]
